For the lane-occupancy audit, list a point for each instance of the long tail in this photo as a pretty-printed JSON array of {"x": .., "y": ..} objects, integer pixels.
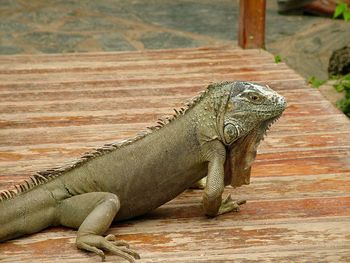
[{"x": 27, "y": 213}]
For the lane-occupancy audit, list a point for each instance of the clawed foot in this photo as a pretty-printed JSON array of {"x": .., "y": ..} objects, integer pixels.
[
  {"x": 97, "y": 244},
  {"x": 228, "y": 205}
]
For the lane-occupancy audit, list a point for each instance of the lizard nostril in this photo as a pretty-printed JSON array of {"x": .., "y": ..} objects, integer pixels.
[
  {"x": 282, "y": 101},
  {"x": 279, "y": 100}
]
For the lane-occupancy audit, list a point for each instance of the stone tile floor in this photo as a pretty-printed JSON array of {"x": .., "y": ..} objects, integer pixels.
[
  {"x": 48, "y": 26},
  {"x": 111, "y": 25}
]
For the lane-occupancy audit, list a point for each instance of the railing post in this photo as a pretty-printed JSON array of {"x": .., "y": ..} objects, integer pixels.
[{"x": 251, "y": 33}]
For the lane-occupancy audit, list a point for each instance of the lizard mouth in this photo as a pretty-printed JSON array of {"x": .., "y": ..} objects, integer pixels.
[{"x": 270, "y": 114}]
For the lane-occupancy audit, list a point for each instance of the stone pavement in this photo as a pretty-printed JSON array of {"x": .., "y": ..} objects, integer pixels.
[{"x": 36, "y": 26}]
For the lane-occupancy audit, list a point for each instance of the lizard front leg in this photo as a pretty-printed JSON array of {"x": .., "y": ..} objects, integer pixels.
[
  {"x": 213, "y": 204},
  {"x": 93, "y": 213}
]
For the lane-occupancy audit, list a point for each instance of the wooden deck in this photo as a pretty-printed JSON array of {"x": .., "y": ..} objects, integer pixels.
[{"x": 55, "y": 107}]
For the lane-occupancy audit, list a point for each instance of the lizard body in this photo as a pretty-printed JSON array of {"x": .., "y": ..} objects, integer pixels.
[{"x": 216, "y": 135}]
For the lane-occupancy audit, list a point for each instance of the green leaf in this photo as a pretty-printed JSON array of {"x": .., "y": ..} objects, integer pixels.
[
  {"x": 316, "y": 83},
  {"x": 278, "y": 59},
  {"x": 338, "y": 87},
  {"x": 340, "y": 9},
  {"x": 344, "y": 105},
  {"x": 346, "y": 84},
  {"x": 346, "y": 15},
  {"x": 343, "y": 85}
]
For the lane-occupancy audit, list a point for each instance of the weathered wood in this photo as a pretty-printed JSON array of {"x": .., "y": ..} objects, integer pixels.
[
  {"x": 251, "y": 31},
  {"x": 53, "y": 108}
]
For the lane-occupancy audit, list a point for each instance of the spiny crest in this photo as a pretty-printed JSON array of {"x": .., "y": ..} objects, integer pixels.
[
  {"x": 37, "y": 179},
  {"x": 42, "y": 177}
]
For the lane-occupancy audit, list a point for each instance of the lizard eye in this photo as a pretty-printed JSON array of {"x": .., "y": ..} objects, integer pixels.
[{"x": 254, "y": 97}]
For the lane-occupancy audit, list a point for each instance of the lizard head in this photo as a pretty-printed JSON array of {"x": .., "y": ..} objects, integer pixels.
[
  {"x": 250, "y": 110},
  {"x": 249, "y": 106}
]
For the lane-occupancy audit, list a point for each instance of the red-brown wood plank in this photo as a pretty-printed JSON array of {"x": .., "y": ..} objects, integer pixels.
[
  {"x": 53, "y": 108},
  {"x": 251, "y": 29}
]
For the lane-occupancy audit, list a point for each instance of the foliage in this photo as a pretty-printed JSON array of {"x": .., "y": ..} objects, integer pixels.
[
  {"x": 316, "y": 83},
  {"x": 278, "y": 58},
  {"x": 342, "y": 9},
  {"x": 343, "y": 84}
]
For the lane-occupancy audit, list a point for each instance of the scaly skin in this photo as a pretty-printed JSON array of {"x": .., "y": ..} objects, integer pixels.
[{"x": 215, "y": 137}]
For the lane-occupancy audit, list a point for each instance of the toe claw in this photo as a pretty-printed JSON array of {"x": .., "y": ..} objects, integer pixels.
[
  {"x": 228, "y": 205},
  {"x": 131, "y": 252},
  {"x": 112, "y": 238},
  {"x": 97, "y": 244},
  {"x": 228, "y": 199},
  {"x": 241, "y": 202}
]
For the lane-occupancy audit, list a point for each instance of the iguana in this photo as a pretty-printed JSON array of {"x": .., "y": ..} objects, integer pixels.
[{"x": 215, "y": 135}]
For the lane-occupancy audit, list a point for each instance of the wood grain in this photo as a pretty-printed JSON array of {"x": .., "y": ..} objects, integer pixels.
[
  {"x": 53, "y": 108},
  {"x": 251, "y": 28}
]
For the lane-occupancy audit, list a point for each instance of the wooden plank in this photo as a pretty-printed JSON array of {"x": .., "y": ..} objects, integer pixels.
[
  {"x": 156, "y": 77},
  {"x": 117, "y": 92},
  {"x": 53, "y": 108},
  {"x": 280, "y": 83},
  {"x": 110, "y": 65},
  {"x": 251, "y": 28},
  {"x": 157, "y": 55}
]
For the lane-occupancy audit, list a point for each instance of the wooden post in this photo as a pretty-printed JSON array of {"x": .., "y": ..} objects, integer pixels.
[{"x": 251, "y": 33}]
